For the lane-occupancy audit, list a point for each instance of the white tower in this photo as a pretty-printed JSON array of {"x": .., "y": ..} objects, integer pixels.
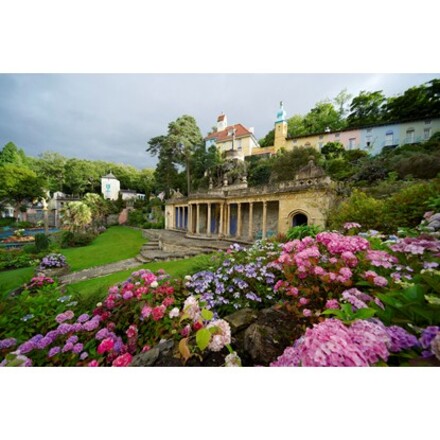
[
  {"x": 222, "y": 122},
  {"x": 110, "y": 187}
]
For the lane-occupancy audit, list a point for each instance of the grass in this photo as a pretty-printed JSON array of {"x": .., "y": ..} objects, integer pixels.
[
  {"x": 11, "y": 279},
  {"x": 115, "y": 244},
  {"x": 97, "y": 287}
]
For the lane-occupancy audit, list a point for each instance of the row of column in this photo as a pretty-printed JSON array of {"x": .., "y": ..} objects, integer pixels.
[{"x": 185, "y": 215}]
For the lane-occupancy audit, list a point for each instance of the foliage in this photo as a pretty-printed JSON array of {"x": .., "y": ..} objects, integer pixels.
[
  {"x": 367, "y": 108},
  {"x": 287, "y": 163},
  {"x": 321, "y": 117},
  {"x": 299, "y": 232},
  {"x": 14, "y": 259},
  {"x": 71, "y": 239},
  {"x": 19, "y": 184},
  {"x": 42, "y": 242},
  {"x": 76, "y": 216},
  {"x": 361, "y": 208}
]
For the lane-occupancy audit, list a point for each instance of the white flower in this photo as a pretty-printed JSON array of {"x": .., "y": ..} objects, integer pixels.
[
  {"x": 191, "y": 308},
  {"x": 154, "y": 284},
  {"x": 174, "y": 313},
  {"x": 188, "y": 278},
  {"x": 232, "y": 360},
  {"x": 99, "y": 304},
  {"x": 222, "y": 336}
]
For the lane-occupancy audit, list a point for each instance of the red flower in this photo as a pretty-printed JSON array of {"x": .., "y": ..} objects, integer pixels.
[
  {"x": 123, "y": 361},
  {"x": 105, "y": 345},
  {"x": 158, "y": 312},
  {"x": 197, "y": 325},
  {"x": 132, "y": 331},
  {"x": 168, "y": 301}
]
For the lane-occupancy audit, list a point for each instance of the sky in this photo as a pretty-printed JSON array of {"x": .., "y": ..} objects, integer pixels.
[{"x": 112, "y": 116}]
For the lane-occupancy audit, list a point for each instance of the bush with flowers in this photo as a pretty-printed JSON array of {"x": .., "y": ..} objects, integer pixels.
[
  {"x": 52, "y": 261},
  {"x": 135, "y": 315},
  {"x": 243, "y": 278}
]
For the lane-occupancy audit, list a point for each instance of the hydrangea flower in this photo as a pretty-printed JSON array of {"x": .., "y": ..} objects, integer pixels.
[{"x": 222, "y": 335}]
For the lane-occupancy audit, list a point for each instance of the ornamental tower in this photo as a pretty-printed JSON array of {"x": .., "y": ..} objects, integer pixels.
[{"x": 280, "y": 128}]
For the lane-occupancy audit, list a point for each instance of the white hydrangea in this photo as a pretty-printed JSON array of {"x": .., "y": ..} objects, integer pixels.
[{"x": 222, "y": 336}]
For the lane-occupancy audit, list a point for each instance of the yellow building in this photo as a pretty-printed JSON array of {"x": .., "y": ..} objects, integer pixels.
[{"x": 236, "y": 140}]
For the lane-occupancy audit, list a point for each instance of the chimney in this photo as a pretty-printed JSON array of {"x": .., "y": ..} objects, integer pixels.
[
  {"x": 222, "y": 122},
  {"x": 251, "y": 129}
]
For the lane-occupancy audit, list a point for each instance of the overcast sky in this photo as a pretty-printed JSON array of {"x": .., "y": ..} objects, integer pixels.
[{"x": 112, "y": 116}]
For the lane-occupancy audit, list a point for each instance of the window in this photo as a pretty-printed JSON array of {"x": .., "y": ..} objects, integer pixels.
[
  {"x": 294, "y": 141},
  {"x": 352, "y": 143},
  {"x": 410, "y": 135},
  {"x": 426, "y": 133},
  {"x": 321, "y": 137},
  {"x": 427, "y": 122},
  {"x": 337, "y": 135},
  {"x": 389, "y": 138},
  {"x": 369, "y": 130},
  {"x": 307, "y": 144},
  {"x": 369, "y": 140}
]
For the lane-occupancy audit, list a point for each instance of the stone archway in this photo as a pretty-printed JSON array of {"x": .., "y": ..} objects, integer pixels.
[{"x": 298, "y": 218}]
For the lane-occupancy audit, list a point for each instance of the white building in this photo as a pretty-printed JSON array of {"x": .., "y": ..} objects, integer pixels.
[{"x": 110, "y": 187}]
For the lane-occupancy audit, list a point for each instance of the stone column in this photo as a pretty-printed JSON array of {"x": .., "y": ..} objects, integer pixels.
[
  {"x": 176, "y": 218},
  {"x": 251, "y": 214},
  {"x": 220, "y": 226},
  {"x": 227, "y": 224},
  {"x": 238, "y": 234},
  {"x": 208, "y": 221},
  {"x": 190, "y": 217},
  {"x": 264, "y": 219},
  {"x": 198, "y": 219}
]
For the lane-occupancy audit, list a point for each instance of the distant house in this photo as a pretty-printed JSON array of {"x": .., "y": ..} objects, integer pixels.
[
  {"x": 111, "y": 189},
  {"x": 371, "y": 138},
  {"x": 233, "y": 140}
]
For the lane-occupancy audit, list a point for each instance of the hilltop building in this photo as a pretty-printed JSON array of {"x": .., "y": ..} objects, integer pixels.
[{"x": 234, "y": 140}]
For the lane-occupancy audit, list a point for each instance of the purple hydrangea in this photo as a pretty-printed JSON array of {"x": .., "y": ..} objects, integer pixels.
[
  {"x": 83, "y": 318},
  {"x": 43, "y": 343},
  {"x": 26, "y": 347},
  {"x": 400, "y": 339},
  {"x": 428, "y": 335},
  {"x": 78, "y": 348},
  {"x": 53, "y": 351},
  {"x": 7, "y": 343},
  {"x": 84, "y": 355}
]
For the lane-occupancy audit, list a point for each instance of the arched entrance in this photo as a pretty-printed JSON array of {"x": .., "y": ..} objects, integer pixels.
[{"x": 299, "y": 219}]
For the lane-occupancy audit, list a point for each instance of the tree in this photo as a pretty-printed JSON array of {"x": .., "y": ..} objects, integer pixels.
[
  {"x": 176, "y": 148},
  {"x": 12, "y": 155},
  {"x": 341, "y": 101},
  {"x": 50, "y": 165},
  {"x": 19, "y": 185},
  {"x": 366, "y": 108},
  {"x": 79, "y": 176},
  {"x": 332, "y": 150},
  {"x": 322, "y": 117},
  {"x": 287, "y": 163},
  {"x": 76, "y": 216},
  {"x": 98, "y": 207}
]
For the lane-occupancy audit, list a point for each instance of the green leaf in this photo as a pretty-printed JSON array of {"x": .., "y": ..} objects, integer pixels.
[
  {"x": 364, "y": 313},
  {"x": 207, "y": 315},
  {"x": 203, "y": 336}
]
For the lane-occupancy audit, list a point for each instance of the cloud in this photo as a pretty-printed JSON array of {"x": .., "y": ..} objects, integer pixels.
[{"x": 111, "y": 117}]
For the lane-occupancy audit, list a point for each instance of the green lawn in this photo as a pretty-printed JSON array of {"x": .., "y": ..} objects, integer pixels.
[
  {"x": 12, "y": 279},
  {"x": 99, "y": 286},
  {"x": 115, "y": 244}
]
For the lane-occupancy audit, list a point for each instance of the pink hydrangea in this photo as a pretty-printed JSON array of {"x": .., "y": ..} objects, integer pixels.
[
  {"x": 146, "y": 311},
  {"x": 222, "y": 335},
  {"x": 93, "y": 363},
  {"x": 191, "y": 308},
  {"x": 307, "y": 313},
  {"x": 106, "y": 344},
  {"x": 132, "y": 331},
  {"x": 332, "y": 304},
  {"x": 158, "y": 312},
  {"x": 124, "y": 360}
]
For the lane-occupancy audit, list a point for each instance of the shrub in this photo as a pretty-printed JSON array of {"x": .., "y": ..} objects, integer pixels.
[
  {"x": 8, "y": 221},
  {"x": 52, "y": 261},
  {"x": 42, "y": 242},
  {"x": 14, "y": 259},
  {"x": 359, "y": 208},
  {"x": 76, "y": 239},
  {"x": 29, "y": 249},
  {"x": 24, "y": 225}
]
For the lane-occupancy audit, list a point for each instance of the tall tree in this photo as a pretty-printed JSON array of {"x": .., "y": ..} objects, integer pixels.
[
  {"x": 19, "y": 185},
  {"x": 341, "y": 102},
  {"x": 366, "y": 108},
  {"x": 321, "y": 117},
  {"x": 10, "y": 154}
]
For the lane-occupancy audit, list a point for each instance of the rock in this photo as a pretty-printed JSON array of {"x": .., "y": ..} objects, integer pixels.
[
  {"x": 435, "y": 224},
  {"x": 241, "y": 319},
  {"x": 262, "y": 344},
  {"x": 434, "y": 217},
  {"x": 150, "y": 357}
]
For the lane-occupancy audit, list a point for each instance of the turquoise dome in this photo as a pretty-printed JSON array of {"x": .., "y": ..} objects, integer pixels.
[{"x": 281, "y": 114}]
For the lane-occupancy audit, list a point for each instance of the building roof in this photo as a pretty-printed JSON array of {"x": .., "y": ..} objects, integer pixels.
[
  {"x": 222, "y": 136},
  {"x": 109, "y": 176},
  {"x": 221, "y": 118}
]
